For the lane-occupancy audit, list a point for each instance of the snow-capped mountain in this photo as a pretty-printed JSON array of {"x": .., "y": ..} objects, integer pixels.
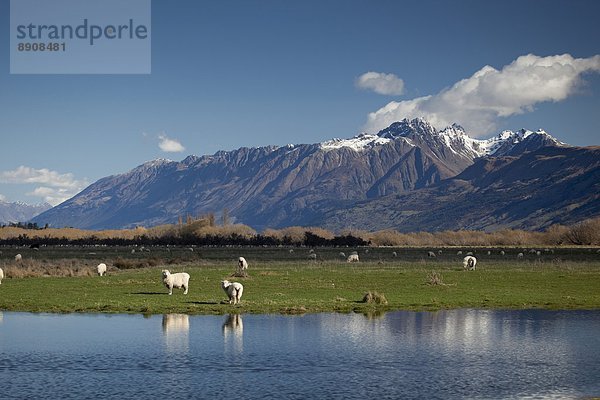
[
  {"x": 289, "y": 185},
  {"x": 20, "y": 212},
  {"x": 453, "y": 137}
]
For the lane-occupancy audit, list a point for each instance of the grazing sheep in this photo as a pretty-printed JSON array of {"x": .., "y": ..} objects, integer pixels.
[
  {"x": 469, "y": 262},
  {"x": 101, "y": 268},
  {"x": 178, "y": 280},
  {"x": 394, "y": 254},
  {"x": 312, "y": 256},
  {"x": 431, "y": 254},
  {"x": 520, "y": 255},
  {"x": 234, "y": 291},
  {"x": 18, "y": 257},
  {"x": 459, "y": 253},
  {"x": 242, "y": 264},
  {"x": 502, "y": 252},
  {"x": 469, "y": 253},
  {"x": 353, "y": 258},
  {"x": 291, "y": 251},
  {"x": 1, "y": 276},
  {"x": 342, "y": 254},
  {"x": 489, "y": 253},
  {"x": 439, "y": 251},
  {"x": 538, "y": 253}
]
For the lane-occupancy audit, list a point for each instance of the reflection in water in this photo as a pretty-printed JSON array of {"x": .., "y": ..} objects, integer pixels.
[
  {"x": 233, "y": 333},
  {"x": 176, "y": 328}
]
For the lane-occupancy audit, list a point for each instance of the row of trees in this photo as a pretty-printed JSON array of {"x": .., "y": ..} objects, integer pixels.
[{"x": 204, "y": 231}]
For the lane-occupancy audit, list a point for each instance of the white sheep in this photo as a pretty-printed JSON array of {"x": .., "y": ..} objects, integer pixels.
[
  {"x": 469, "y": 262},
  {"x": 178, "y": 280},
  {"x": 352, "y": 258},
  {"x": 18, "y": 257},
  {"x": 242, "y": 264},
  {"x": 431, "y": 254},
  {"x": 101, "y": 268},
  {"x": 1, "y": 276},
  {"x": 520, "y": 255},
  {"x": 234, "y": 291},
  {"x": 312, "y": 256}
]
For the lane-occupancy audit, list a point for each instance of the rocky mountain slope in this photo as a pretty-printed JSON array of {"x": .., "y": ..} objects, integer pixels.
[{"x": 533, "y": 191}]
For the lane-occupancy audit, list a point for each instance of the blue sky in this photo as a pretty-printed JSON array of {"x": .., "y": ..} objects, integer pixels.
[{"x": 227, "y": 74}]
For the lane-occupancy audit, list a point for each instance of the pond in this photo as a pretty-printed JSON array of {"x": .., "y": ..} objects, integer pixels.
[{"x": 477, "y": 354}]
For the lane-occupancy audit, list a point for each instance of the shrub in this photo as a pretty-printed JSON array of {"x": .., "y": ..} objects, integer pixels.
[{"x": 374, "y": 297}]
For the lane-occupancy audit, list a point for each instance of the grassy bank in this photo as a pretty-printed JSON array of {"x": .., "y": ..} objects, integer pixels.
[{"x": 303, "y": 286}]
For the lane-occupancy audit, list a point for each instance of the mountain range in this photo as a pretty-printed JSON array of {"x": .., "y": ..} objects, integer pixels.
[
  {"x": 409, "y": 176},
  {"x": 20, "y": 212}
]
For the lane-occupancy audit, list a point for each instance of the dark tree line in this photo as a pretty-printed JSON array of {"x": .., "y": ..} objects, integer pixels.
[{"x": 233, "y": 239}]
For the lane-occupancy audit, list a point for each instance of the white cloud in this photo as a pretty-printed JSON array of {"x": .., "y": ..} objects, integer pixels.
[
  {"x": 57, "y": 187},
  {"x": 52, "y": 196},
  {"x": 480, "y": 101},
  {"x": 388, "y": 84},
  {"x": 169, "y": 145}
]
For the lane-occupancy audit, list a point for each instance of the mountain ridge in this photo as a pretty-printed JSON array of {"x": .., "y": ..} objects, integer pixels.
[{"x": 276, "y": 186}]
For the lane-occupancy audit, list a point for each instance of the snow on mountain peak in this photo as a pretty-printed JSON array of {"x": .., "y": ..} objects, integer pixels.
[
  {"x": 357, "y": 143},
  {"x": 454, "y": 137}
]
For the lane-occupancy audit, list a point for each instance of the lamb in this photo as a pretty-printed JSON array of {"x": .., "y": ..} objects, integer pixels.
[
  {"x": 1, "y": 276},
  {"x": 431, "y": 254},
  {"x": 18, "y": 257},
  {"x": 353, "y": 258},
  {"x": 234, "y": 291},
  {"x": 178, "y": 280},
  {"x": 520, "y": 255},
  {"x": 101, "y": 268},
  {"x": 469, "y": 262}
]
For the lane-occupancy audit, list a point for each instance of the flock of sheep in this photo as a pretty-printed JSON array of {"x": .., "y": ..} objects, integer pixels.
[{"x": 181, "y": 280}]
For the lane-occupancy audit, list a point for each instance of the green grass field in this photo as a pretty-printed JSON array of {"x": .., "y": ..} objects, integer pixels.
[{"x": 282, "y": 284}]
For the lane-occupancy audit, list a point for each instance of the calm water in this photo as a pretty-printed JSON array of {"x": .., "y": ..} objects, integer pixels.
[{"x": 400, "y": 355}]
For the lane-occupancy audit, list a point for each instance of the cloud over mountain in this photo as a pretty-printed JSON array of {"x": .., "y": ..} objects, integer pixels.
[
  {"x": 169, "y": 145},
  {"x": 491, "y": 94},
  {"x": 381, "y": 83}
]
